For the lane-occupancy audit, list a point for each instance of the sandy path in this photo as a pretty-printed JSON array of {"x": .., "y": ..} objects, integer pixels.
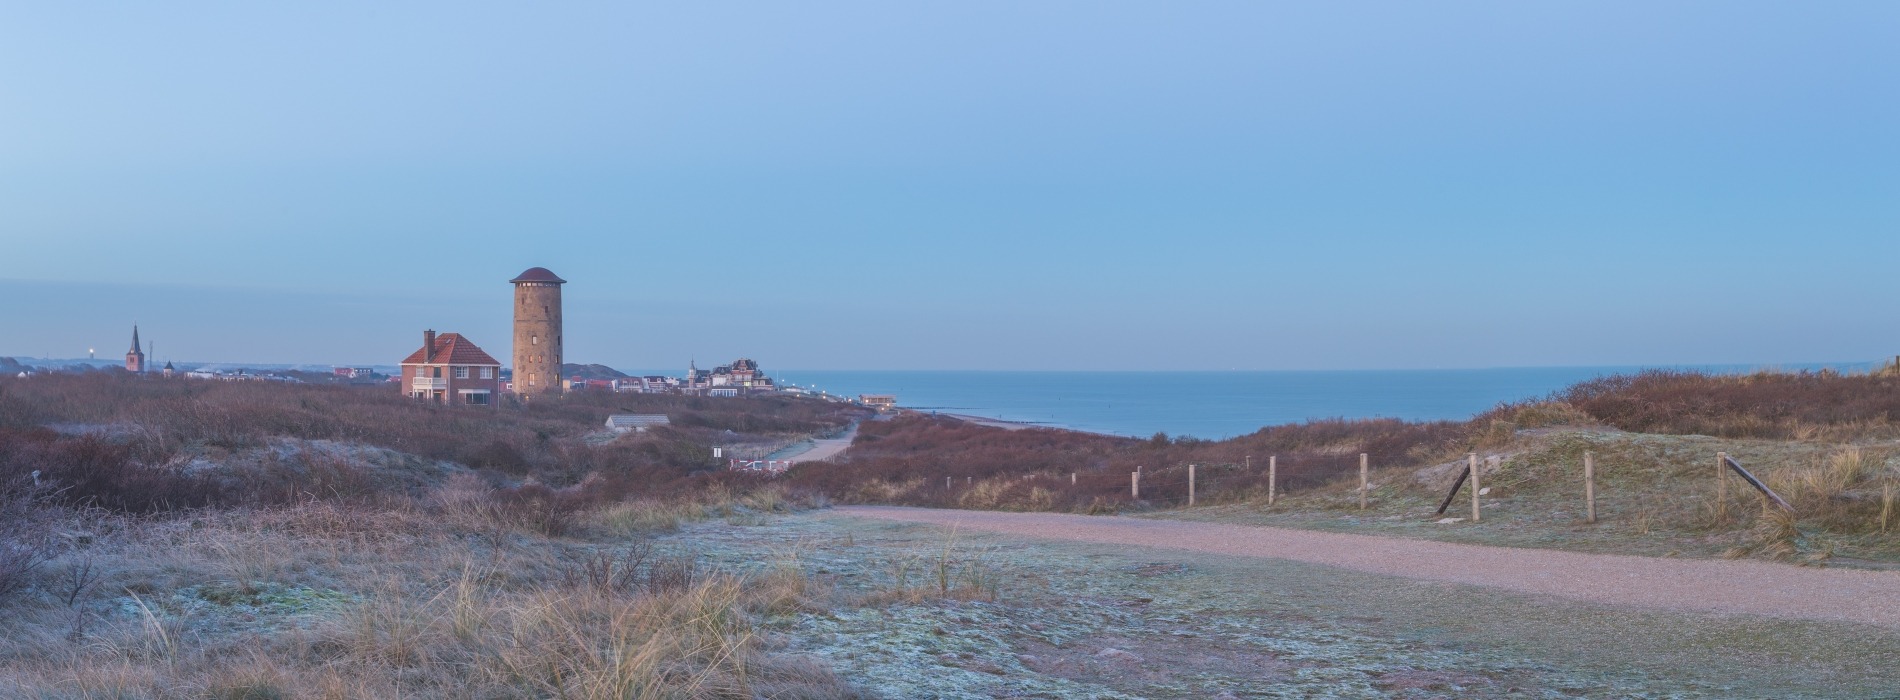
[
  {"x": 1749, "y": 587},
  {"x": 821, "y": 450}
]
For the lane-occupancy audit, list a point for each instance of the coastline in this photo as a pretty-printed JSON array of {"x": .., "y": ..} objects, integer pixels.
[{"x": 1009, "y": 424}]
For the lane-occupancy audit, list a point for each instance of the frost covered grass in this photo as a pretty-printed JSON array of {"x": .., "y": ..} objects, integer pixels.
[
  {"x": 328, "y": 600},
  {"x": 1074, "y": 619}
]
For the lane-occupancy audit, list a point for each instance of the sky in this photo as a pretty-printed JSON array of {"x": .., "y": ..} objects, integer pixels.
[{"x": 969, "y": 185}]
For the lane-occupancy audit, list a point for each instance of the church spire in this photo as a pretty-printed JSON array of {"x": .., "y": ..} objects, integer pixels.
[{"x": 135, "y": 358}]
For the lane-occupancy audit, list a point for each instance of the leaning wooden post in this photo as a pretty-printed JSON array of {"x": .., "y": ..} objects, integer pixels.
[
  {"x": 1589, "y": 488},
  {"x": 1475, "y": 515},
  {"x": 1190, "y": 486},
  {"x": 1273, "y": 475},
  {"x": 1362, "y": 481},
  {"x": 1134, "y": 485}
]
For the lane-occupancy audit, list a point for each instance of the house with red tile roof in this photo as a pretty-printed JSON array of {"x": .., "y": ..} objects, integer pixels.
[{"x": 451, "y": 369}]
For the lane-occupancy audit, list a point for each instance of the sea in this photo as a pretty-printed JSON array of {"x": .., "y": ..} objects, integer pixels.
[{"x": 1216, "y": 405}]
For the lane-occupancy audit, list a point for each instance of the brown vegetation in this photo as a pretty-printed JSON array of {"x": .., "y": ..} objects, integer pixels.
[
  {"x": 142, "y": 444},
  {"x": 906, "y": 460},
  {"x": 1822, "y": 405}
]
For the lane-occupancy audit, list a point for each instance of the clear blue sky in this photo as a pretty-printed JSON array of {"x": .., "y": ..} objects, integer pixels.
[{"x": 983, "y": 185}]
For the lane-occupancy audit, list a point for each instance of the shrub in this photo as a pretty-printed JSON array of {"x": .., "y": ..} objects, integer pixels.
[{"x": 26, "y": 533}]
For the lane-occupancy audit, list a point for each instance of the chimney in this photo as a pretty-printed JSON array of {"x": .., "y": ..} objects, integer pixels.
[{"x": 428, "y": 346}]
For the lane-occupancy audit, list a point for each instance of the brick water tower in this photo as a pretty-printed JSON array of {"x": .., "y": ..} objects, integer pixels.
[{"x": 537, "y": 332}]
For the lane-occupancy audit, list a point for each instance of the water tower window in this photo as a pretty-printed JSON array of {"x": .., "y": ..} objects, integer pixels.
[{"x": 534, "y": 340}]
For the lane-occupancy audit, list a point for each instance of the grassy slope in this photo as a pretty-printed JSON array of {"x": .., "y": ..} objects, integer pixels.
[
  {"x": 1656, "y": 495},
  {"x": 1823, "y": 440}
]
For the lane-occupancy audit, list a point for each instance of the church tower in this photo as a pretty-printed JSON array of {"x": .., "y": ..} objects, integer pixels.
[
  {"x": 538, "y": 354},
  {"x": 135, "y": 359}
]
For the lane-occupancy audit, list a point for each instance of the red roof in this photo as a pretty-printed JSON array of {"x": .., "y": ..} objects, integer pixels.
[
  {"x": 538, "y": 274},
  {"x": 452, "y": 349}
]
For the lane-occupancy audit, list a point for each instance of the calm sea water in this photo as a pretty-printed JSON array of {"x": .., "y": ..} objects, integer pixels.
[{"x": 1212, "y": 405}]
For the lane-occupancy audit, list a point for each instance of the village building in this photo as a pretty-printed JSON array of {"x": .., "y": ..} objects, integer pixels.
[
  {"x": 882, "y": 402},
  {"x": 740, "y": 378},
  {"x": 644, "y": 385},
  {"x": 135, "y": 358},
  {"x": 451, "y": 369}
]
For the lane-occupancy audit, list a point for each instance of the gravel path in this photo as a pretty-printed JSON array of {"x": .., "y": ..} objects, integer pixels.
[{"x": 1747, "y": 587}]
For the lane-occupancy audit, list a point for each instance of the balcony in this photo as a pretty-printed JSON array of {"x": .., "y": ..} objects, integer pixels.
[{"x": 429, "y": 384}]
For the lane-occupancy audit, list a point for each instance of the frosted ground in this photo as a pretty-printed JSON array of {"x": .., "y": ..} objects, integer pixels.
[{"x": 1077, "y": 620}]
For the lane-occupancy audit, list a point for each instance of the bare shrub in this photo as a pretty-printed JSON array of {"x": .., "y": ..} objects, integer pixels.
[
  {"x": 607, "y": 572},
  {"x": 26, "y": 533},
  {"x": 673, "y": 573}
]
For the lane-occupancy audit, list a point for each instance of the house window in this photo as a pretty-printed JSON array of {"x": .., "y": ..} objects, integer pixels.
[
  {"x": 488, "y": 373},
  {"x": 461, "y": 373},
  {"x": 477, "y": 399},
  {"x": 437, "y": 371},
  {"x": 531, "y": 378}
]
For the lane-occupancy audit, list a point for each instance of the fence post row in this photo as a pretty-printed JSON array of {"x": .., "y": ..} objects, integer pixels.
[{"x": 1475, "y": 515}]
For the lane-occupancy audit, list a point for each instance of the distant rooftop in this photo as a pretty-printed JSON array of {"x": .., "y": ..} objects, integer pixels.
[
  {"x": 538, "y": 274},
  {"x": 636, "y": 421}
]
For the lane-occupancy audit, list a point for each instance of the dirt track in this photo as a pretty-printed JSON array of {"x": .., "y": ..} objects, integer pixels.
[{"x": 1746, "y": 587}]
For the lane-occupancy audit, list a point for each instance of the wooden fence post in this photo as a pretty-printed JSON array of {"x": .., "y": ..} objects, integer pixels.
[
  {"x": 1134, "y": 484},
  {"x": 946, "y": 483},
  {"x": 1589, "y": 487},
  {"x": 1721, "y": 484},
  {"x": 1475, "y": 515},
  {"x": 1273, "y": 476},
  {"x": 1190, "y": 486},
  {"x": 968, "y": 480},
  {"x": 1071, "y": 478},
  {"x": 1362, "y": 481}
]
